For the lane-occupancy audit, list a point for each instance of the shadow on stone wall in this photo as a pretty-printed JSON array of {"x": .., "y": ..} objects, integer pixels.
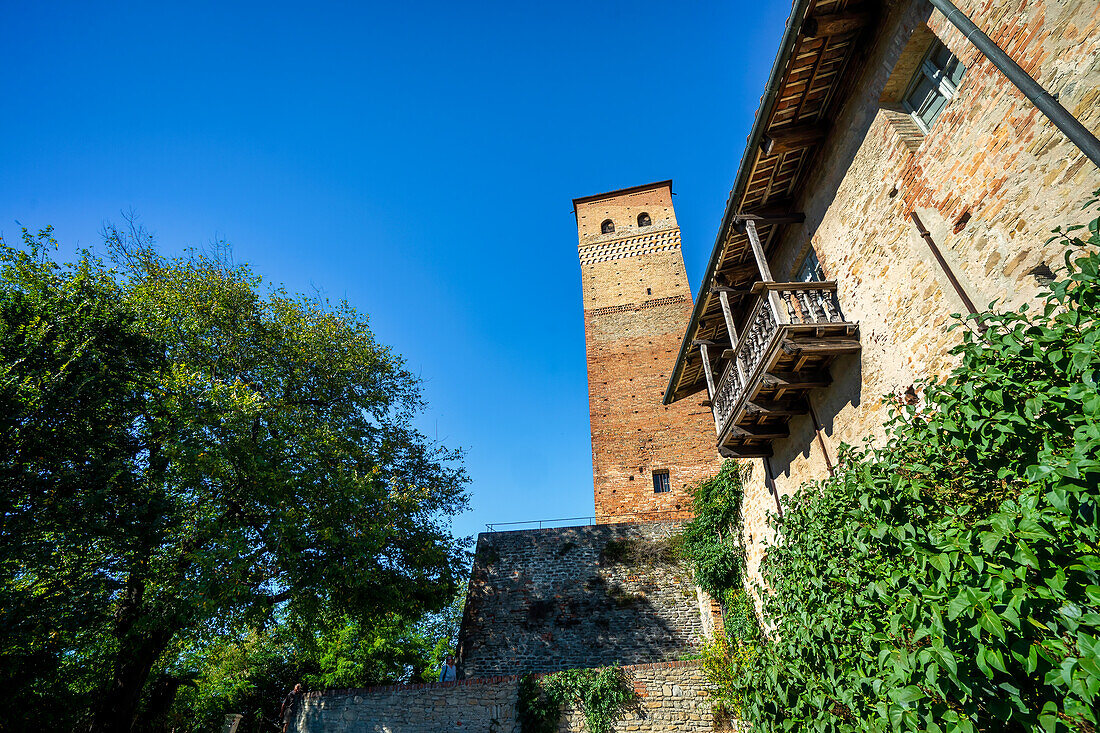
[
  {"x": 846, "y": 389},
  {"x": 564, "y": 598}
]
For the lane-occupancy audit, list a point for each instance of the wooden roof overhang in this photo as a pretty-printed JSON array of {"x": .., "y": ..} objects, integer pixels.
[{"x": 791, "y": 125}]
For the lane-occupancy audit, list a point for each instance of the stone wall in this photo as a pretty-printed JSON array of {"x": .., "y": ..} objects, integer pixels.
[
  {"x": 479, "y": 706},
  {"x": 636, "y": 304},
  {"x": 550, "y": 599},
  {"x": 990, "y": 180},
  {"x": 671, "y": 697}
]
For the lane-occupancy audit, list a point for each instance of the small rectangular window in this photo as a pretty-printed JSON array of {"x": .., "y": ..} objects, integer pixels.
[
  {"x": 660, "y": 482},
  {"x": 933, "y": 86}
]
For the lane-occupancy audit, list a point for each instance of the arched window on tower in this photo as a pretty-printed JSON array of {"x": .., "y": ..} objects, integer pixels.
[
  {"x": 607, "y": 227},
  {"x": 644, "y": 220}
]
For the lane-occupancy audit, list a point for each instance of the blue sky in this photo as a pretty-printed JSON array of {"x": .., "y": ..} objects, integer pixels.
[{"x": 418, "y": 159}]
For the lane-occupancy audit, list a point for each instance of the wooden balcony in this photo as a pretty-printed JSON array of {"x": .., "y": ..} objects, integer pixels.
[{"x": 790, "y": 337}]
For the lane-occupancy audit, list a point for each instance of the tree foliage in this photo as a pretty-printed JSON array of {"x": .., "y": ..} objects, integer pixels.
[
  {"x": 184, "y": 452},
  {"x": 248, "y": 670},
  {"x": 949, "y": 580}
]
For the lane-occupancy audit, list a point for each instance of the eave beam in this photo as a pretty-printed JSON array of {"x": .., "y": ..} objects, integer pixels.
[
  {"x": 835, "y": 23},
  {"x": 796, "y": 137}
]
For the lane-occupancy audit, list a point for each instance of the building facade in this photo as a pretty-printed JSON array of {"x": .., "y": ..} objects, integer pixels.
[
  {"x": 893, "y": 177},
  {"x": 645, "y": 455}
]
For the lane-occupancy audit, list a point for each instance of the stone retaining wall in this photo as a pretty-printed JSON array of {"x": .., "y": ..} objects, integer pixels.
[
  {"x": 544, "y": 600},
  {"x": 671, "y": 697}
]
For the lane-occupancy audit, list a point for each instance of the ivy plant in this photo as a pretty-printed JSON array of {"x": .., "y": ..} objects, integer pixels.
[{"x": 603, "y": 695}]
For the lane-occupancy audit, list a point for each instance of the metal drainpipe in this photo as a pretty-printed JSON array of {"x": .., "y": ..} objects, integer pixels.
[
  {"x": 1078, "y": 134},
  {"x": 927, "y": 237}
]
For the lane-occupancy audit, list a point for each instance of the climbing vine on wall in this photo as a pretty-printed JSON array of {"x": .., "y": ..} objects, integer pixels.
[
  {"x": 603, "y": 695},
  {"x": 949, "y": 580},
  {"x": 712, "y": 543}
]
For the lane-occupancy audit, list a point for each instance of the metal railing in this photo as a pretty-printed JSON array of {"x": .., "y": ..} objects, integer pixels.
[{"x": 644, "y": 516}]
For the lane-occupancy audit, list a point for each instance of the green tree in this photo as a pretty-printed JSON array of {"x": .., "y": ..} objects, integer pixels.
[{"x": 183, "y": 451}]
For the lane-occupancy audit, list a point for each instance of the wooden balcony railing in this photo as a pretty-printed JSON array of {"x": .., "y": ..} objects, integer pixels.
[{"x": 781, "y": 311}]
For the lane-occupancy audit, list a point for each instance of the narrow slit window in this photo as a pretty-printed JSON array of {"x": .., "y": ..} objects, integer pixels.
[
  {"x": 934, "y": 85},
  {"x": 660, "y": 482}
]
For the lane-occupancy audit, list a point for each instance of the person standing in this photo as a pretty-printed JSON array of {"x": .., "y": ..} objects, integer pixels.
[
  {"x": 290, "y": 706},
  {"x": 447, "y": 673}
]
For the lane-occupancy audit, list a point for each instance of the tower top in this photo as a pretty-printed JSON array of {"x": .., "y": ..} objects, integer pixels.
[
  {"x": 625, "y": 212},
  {"x": 621, "y": 192}
]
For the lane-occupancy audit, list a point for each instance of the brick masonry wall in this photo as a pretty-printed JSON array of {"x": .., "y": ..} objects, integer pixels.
[
  {"x": 637, "y": 303},
  {"x": 672, "y": 696},
  {"x": 990, "y": 156},
  {"x": 550, "y": 599}
]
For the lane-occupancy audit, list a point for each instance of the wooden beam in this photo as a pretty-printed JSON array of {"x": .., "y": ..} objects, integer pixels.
[
  {"x": 793, "y": 217},
  {"x": 794, "y": 380},
  {"x": 710, "y": 382},
  {"x": 707, "y": 370},
  {"x": 778, "y": 310},
  {"x": 835, "y": 23},
  {"x": 755, "y": 451},
  {"x": 727, "y": 314},
  {"x": 824, "y": 345},
  {"x": 740, "y": 272},
  {"x": 758, "y": 251},
  {"x": 794, "y": 137},
  {"x": 730, "y": 291},
  {"x": 789, "y": 408},
  {"x": 767, "y": 432}
]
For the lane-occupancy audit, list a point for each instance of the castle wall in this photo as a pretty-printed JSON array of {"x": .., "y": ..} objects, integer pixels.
[
  {"x": 990, "y": 156},
  {"x": 544, "y": 600},
  {"x": 671, "y": 697},
  {"x": 636, "y": 304}
]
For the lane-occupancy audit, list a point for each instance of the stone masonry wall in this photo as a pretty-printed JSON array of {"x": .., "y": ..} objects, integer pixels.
[
  {"x": 989, "y": 181},
  {"x": 479, "y": 706},
  {"x": 672, "y": 696},
  {"x": 637, "y": 302},
  {"x": 544, "y": 600}
]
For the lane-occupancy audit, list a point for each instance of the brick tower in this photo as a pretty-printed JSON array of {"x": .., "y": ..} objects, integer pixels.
[{"x": 636, "y": 304}]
